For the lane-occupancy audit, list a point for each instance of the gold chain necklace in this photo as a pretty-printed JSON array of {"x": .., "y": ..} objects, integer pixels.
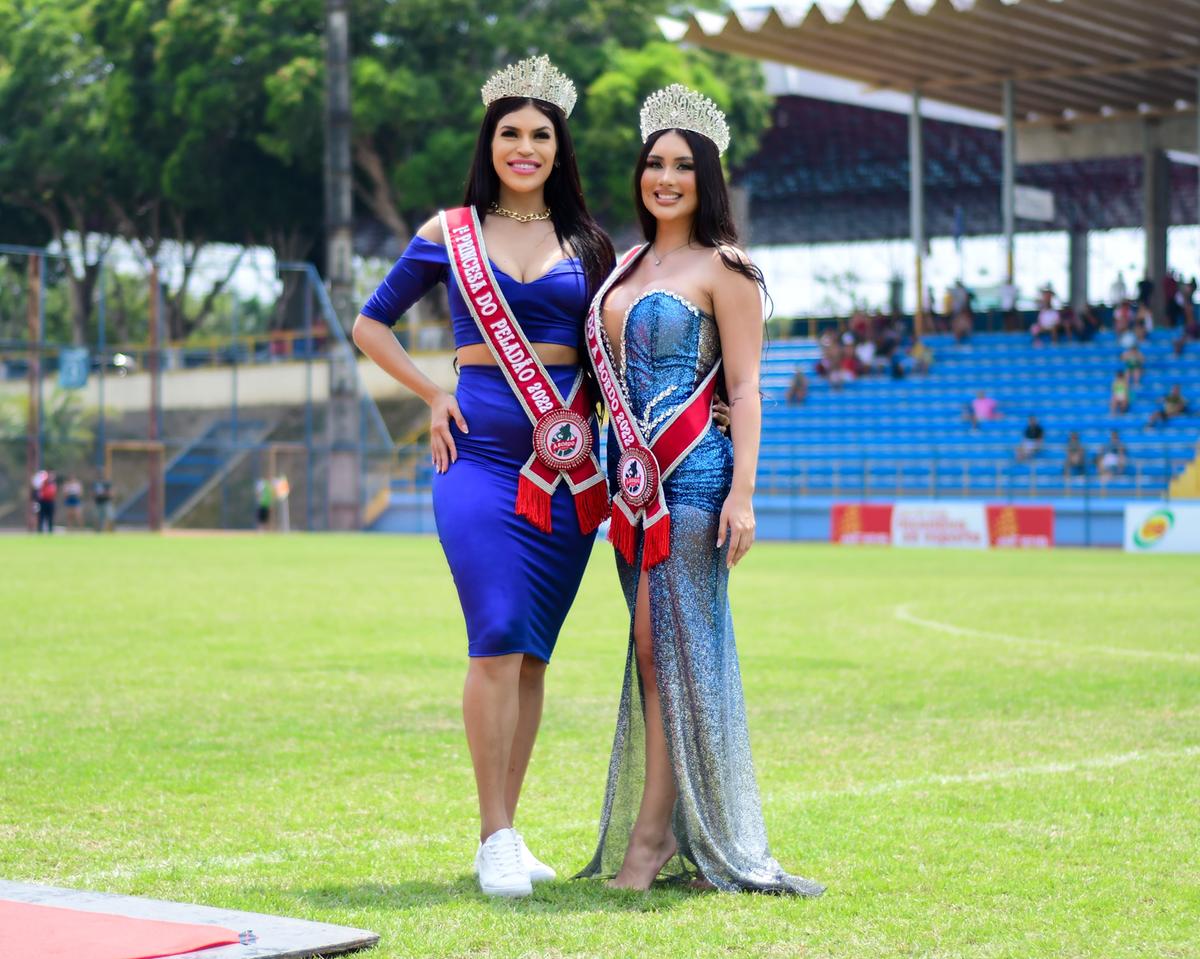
[
  {"x": 658, "y": 259},
  {"x": 519, "y": 217}
]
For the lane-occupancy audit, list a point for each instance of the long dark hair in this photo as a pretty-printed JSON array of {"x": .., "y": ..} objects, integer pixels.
[
  {"x": 573, "y": 224},
  {"x": 713, "y": 225}
]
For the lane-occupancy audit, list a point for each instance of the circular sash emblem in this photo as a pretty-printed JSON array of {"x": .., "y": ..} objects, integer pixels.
[
  {"x": 637, "y": 472},
  {"x": 562, "y": 439}
]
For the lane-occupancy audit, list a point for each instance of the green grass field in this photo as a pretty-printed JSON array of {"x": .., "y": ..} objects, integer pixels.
[{"x": 981, "y": 754}]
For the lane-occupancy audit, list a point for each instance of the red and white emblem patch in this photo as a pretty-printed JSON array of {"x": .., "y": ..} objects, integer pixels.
[
  {"x": 637, "y": 473},
  {"x": 562, "y": 439}
]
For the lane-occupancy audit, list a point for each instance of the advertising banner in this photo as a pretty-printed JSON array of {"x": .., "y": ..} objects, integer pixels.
[
  {"x": 960, "y": 525},
  {"x": 1162, "y": 527},
  {"x": 1020, "y": 527},
  {"x": 859, "y": 524}
]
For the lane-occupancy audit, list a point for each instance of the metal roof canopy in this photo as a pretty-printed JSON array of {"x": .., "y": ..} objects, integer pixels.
[{"x": 1070, "y": 60}]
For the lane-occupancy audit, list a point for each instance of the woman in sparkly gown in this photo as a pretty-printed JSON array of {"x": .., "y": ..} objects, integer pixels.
[{"x": 681, "y": 796}]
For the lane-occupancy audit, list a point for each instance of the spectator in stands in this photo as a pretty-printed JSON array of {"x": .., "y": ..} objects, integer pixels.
[
  {"x": 1171, "y": 300},
  {"x": 1143, "y": 324},
  {"x": 1119, "y": 394},
  {"x": 1068, "y": 322},
  {"x": 1089, "y": 325},
  {"x": 1173, "y": 405},
  {"x": 864, "y": 353},
  {"x": 1145, "y": 291},
  {"x": 1111, "y": 459},
  {"x": 1008, "y": 305},
  {"x": 1117, "y": 293},
  {"x": 1187, "y": 305},
  {"x": 896, "y": 368},
  {"x": 798, "y": 392},
  {"x": 922, "y": 356},
  {"x": 962, "y": 313},
  {"x": 982, "y": 409},
  {"x": 831, "y": 358},
  {"x": 1122, "y": 318},
  {"x": 1134, "y": 361},
  {"x": 1031, "y": 441},
  {"x": 1075, "y": 463},
  {"x": 1047, "y": 323}
]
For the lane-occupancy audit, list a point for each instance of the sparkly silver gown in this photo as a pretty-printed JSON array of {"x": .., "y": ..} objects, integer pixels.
[{"x": 668, "y": 347}]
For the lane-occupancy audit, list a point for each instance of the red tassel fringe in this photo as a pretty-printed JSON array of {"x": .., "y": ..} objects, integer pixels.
[
  {"x": 533, "y": 503},
  {"x": 656, "y": 545},
  {"x": 591, "y": 506},
  {"x": 622, "y": 535}
]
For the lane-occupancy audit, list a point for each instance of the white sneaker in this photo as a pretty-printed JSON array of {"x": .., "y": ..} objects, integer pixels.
[
  {"x": 538, "y": 870},
  {"x": 499, "y": 866}
]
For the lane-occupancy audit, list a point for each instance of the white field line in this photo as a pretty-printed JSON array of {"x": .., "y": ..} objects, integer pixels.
[
  {"x": 905, "y": 616},
  {"x": 263, "y": 857},
  {"x": 1010, "y": 772}
]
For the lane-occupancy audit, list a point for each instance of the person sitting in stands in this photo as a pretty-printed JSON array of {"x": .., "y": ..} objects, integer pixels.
[
  {"x": 864, "y": 353},
  {"x": 1047, "y": 324},
  {"x": 1143, "y": 324},
  {"x": 922, "y": 356},
  {"x": 1118, "y": 402},
  {"x": 985, "y": 407},
  {"x": 798, "y": 392},
  {"x": 1187, "y": 293},
  {"x": 1173, "y": 404},
  {"x": 1135, "y": 362},
  {"x": 1031, "y": 442},
  {"x": 1122, "y": 317},
  {"x": 1075, "y": 463},
  {"x": 1111, "y": 459},
  {"x": 1068, "y": 321},
  {"x": 1089, "y": 325}
]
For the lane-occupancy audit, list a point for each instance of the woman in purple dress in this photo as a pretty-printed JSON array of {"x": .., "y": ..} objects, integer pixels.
[{"x": 516, "y": 535}]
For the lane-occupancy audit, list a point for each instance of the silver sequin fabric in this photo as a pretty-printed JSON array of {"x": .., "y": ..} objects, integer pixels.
[{"x": 718, "y": 821}]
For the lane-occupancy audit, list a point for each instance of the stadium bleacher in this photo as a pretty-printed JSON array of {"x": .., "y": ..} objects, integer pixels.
[
  {"x": 880, "y": 437},
  {"x": 834, "y": 172}
]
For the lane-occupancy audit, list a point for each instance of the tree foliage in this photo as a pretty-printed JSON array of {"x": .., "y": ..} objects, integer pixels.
[{"x": 199, "y": 121}]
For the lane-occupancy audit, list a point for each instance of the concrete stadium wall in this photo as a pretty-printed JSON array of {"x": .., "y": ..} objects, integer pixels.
[{"x": 1098, "y": 522}]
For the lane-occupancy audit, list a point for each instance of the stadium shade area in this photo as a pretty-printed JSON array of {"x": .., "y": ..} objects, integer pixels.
[
  {"x": 833, "y": 172},
  {"x": 1070, "y": 59}
]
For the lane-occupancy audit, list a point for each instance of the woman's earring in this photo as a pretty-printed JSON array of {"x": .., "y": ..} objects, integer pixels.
[{"x": 557, "y": 164}]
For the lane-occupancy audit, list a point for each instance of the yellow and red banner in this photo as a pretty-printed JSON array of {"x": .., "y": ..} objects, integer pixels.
[{"x": 938, "y": 524}]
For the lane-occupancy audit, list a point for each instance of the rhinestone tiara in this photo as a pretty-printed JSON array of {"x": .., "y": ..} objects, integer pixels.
[
  {"x": 678, "y": 108},
  {"x": 534, "y": 77}
]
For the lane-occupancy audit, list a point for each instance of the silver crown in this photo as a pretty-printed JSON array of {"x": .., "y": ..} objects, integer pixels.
[
  {"x": 678, "y": 108},
  {"x": 534, "y": 77}
]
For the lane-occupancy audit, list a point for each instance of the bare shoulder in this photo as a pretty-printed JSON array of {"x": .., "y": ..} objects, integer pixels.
[
  {"x": 721, "y": 277},
  {"x": 727, "y": 251},
  {"x": 431, "y": 230}
]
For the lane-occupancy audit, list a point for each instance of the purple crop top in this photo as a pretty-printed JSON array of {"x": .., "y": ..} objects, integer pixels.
[{"x": 550, "y": 309}]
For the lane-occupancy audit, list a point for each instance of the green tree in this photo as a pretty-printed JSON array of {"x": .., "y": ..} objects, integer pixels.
[
  {"x": 52, "y": 80},
  {"x": 418, "y": 67}
]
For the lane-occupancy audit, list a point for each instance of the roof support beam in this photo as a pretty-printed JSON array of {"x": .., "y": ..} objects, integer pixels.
[{"x": 916, "y": 166}]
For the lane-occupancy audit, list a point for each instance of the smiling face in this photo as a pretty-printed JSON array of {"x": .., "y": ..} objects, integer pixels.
[
  {"x": 668, "y": 183},
  {"x": 523, "y": 150}
]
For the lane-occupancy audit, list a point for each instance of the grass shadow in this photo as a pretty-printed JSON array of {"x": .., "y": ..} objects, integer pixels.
[{"x": 560, "y": 896}]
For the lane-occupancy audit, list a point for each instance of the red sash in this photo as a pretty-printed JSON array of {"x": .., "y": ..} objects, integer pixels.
[
  {"x": 562, "y": 434},
  {"x": 643, "y": 466}
]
